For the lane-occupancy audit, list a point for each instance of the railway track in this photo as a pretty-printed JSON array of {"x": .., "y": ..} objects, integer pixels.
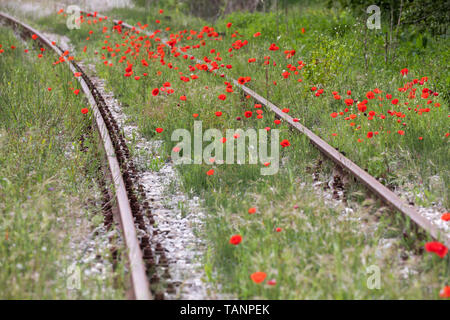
[
  {"x": 128, "y": 191},
  {"x": 382, "y": 192},
  {"x": 141, "y": 260}
]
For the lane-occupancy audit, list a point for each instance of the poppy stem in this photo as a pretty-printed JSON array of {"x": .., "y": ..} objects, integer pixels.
[
  {"x": 386, "y": 48},
  {"x": 365, "y": 49}
]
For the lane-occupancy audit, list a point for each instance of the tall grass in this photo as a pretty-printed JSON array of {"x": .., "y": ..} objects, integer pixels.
[{"x": 48, "y": 183}]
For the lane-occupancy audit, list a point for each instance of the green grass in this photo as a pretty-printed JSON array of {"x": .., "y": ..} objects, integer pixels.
[
  {"x": 48, "y": 206},
  {"x": 318, "y": 253}
]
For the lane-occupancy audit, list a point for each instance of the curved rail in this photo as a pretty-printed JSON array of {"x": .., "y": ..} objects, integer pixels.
[
  {"x": 389, "y": 197},
  {"x": 139, "y": 279}
]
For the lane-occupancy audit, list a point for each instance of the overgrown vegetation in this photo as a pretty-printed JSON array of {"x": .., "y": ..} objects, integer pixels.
[
  {"x": 319, "y": 251},
  {"x": 339, "y": 54},
  {"x": 49, "y": 160}
]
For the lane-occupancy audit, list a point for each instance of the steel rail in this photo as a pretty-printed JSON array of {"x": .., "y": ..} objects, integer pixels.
[
  {"x": 139, "y": 279},
  {"x": 389, "y": 197}
]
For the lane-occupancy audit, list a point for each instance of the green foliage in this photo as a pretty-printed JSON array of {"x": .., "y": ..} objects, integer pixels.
[{"x": 428, "y": 15}]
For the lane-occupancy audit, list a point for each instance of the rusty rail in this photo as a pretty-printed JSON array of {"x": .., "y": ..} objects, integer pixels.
[{"x": 139, "y": 279}]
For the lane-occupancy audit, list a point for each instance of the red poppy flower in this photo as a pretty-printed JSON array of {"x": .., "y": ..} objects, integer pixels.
[
  {"x": 370, "y": 95},
  {"x": 401, "y": 132},
  {"x": 248, "y": 114},
  {"x": 258, "y": 277},
  {"x": 257, "y": 34},
  {"x": 369, "y": 134},
  {"x": 289, "y": 53},
  {"x": 218, "y": 113},
  {"x": 404, "y": 71},
  {"x": 84, "y": 110},
  {"x": 285, "y": 143},
  {"x": 334, "y": 115},
  {"x": 272, "y": 282},
  {"x": 285, "y": 74},
  {"x": 437, "y": 248},
  {"x": 210, "y": 172},
  {"x": 183, "y": 98},
  {"x": 348, "y": 102},
  {"x": 273, "y": 47},
  {"x": 362, "y": 107},
  {"x": 236, "y": 239},
  {"x": 155, "y": 92},
  {"x": 76, "y": 91},
  {"x": 159, "y": 130},
  {"x": 252, "y": 210},
  {"x": 34, "y": 37},
  {"x": 445, "y": 292},
  {"x": 229, "y": 24},
  {"x": 446, "y": 216},
  {"x": 278, "y": 229},
  {"x": 222, "y": 97}
]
